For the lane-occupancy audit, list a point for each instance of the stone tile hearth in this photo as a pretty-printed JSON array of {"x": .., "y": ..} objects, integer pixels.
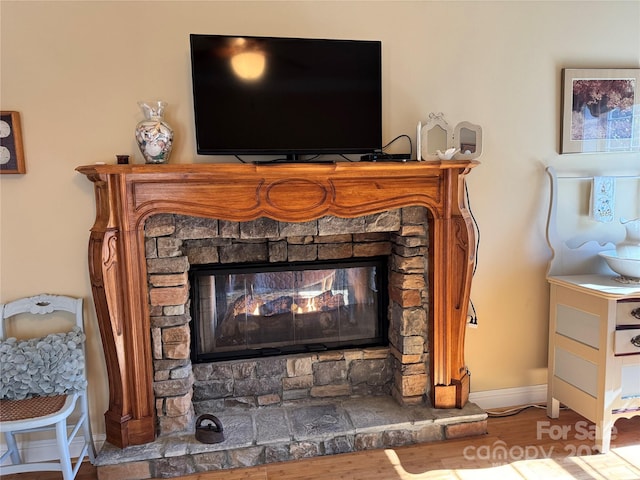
[{"x": 290, "y": 431}]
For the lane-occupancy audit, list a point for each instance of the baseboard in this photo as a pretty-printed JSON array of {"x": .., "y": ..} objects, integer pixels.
[
  {"x": 45, "y": 450},
  {"x": 509, "y": 397}
]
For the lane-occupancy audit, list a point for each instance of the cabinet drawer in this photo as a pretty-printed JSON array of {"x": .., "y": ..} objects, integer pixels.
[
  {"x": 627, "y": 341},
  {"x": 628, "y": 313}
]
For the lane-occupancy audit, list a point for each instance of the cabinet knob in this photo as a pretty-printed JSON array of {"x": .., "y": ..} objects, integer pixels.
[
  {"x": 635, "y": 341},
  {"x": 636, "y": 313}
]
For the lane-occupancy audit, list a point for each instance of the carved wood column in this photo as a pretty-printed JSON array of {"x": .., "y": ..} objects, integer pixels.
[
  {"x": 122, "y": 312},
  {"x": 126, "y": 195},
  {"x": 451, "y": 261}
]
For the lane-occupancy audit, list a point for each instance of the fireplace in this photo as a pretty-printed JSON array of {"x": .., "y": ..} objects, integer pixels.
[
  {"x": 278, "y": 273},
  {"x": 256, "y": 310},
  {"x": 128, "y": 195}
]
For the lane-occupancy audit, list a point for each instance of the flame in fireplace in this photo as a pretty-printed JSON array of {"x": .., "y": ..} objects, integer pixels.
[
  {"x": 303, "y": 305},
  {"x": 310, "y": 306}
]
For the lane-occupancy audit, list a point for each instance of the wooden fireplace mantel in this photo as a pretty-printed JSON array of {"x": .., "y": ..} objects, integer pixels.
[{"x": 126, "y": 195}]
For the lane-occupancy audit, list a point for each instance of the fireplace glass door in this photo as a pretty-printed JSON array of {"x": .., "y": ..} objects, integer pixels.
[{"x": 271, "y": 309}]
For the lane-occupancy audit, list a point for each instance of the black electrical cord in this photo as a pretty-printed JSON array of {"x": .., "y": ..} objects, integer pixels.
[
  {"x": 474, "y": 318},
  {"x": 476, "y": 227},
  {"x": 399, "y": 137}
]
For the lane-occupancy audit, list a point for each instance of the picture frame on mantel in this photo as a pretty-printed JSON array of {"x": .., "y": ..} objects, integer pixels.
[
  {"x": 600, "y": 110},
  {"x": 11, "y": 150}
]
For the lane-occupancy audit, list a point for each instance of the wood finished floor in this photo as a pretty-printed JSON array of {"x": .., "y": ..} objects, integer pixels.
[{"x": 533, "y": 447}]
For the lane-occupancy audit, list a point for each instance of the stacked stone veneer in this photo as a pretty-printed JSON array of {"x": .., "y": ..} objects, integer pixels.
[{"x": 182, "y": 390}]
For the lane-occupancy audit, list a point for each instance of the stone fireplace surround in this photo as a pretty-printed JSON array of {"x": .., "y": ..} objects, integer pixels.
[
  {"x": 174, "y": 243},
  {"x": 126, "y": 196}
]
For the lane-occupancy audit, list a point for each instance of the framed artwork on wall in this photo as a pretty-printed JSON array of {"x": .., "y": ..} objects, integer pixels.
[
  {"x": 600, "y": 110},
  {"x": 11, "y": 152}
]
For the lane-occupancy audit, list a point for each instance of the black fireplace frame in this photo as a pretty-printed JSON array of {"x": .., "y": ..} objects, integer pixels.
[{"x": 196, "y": 272}]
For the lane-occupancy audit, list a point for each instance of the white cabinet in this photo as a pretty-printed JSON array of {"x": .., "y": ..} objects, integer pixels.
[
  {"x": 594, "y": 317},
  {"x": 594, "y": 350}
]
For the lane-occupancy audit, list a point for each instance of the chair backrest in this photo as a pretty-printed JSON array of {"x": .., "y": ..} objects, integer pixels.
[
  {"x": 59, "y": 364},
  {"x": 41, "y": 305}
]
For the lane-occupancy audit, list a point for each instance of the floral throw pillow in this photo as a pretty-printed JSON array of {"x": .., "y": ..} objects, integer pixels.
[{"x": 46, "y": 366}]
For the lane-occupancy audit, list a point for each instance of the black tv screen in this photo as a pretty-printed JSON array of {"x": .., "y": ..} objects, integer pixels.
[{"x": 286, "y": 96}]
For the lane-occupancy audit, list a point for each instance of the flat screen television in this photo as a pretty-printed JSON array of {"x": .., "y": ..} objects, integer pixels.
[{"x": 291, "y": 97}]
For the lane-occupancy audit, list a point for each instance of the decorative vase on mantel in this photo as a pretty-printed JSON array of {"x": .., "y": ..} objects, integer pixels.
[{"x": 153, "y": 134}]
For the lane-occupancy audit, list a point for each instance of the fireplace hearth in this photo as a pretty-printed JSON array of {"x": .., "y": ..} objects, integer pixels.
[{"x": 294, "y": 431}]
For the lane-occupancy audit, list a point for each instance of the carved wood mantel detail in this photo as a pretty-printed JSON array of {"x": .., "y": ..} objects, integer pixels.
[{"x": 126, "y": 195}]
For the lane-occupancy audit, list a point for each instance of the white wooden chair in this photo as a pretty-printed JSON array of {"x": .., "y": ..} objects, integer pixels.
[{"x": 42, "y": 383}]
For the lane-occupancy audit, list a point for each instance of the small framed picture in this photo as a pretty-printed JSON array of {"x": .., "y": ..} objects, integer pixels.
[
  {"x": 600, "y": 110},
  {"x": 11, "y": 152}
]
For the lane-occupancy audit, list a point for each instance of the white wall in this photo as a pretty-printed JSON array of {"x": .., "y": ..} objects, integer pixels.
[{"x": 75, "y": 71}]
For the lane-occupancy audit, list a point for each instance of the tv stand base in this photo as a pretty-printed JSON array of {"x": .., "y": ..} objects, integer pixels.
[{"x": 279, "y": 161}]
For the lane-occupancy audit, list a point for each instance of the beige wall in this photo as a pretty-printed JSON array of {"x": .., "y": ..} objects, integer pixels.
[{"x": 75, "y": 71}]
